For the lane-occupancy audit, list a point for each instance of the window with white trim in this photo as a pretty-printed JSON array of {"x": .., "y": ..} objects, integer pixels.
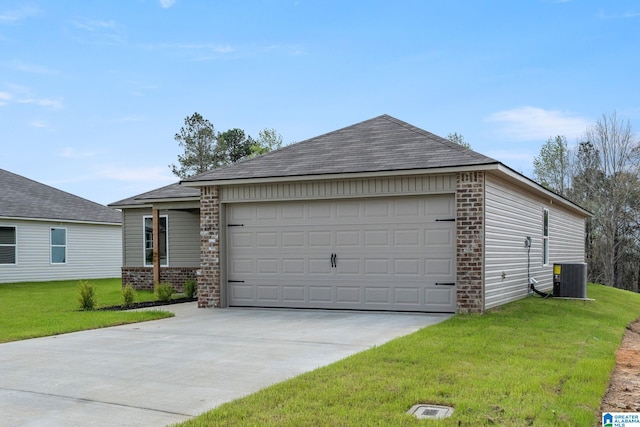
[
  {"x": 148, "y": 241},
  {"x": 545, "y": 237},
  {"x": 58, "y": 245},
  {"x": 8, "y": 245}
]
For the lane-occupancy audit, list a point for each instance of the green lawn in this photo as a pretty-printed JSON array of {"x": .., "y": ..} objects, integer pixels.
[
  {"x": 29, "y": 310},
  {"x": 540, "y": 362}
]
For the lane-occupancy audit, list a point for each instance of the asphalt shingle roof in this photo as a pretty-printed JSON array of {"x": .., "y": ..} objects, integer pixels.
[
  {"x": 172, "y": 191},
  {"x": 22, "y": 197},
  {"x": 383, "y": 143}
]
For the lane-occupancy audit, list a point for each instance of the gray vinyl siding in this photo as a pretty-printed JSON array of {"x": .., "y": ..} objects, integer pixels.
[
  {"x": 512, "y": 214},
  {"x": 184, "y": 237},
  {"x": 93, "y": 251},
  {"x": 347, "y": 188},
  {"x": 133, "y": 236}
]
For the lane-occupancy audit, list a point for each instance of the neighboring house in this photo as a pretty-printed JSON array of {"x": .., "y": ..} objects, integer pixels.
[
  {"x": 379, "y": 215},
  {"x": 48, "y": 234},
  {"x": 178, "y": 210}
]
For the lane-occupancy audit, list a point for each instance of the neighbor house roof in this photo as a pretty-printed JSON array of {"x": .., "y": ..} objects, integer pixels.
[
  {"x": 27, "y": 199},
  {"x": 172, "y": 192},
  {"x": 381, "y": 144}
]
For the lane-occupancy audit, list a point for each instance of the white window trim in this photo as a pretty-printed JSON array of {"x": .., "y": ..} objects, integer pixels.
[
  {"x": 144, "y": 241},
  {"x": 15, "y": 246},
  {"x": 545, "y": 238},
  {"x": 65, "y": 246}
]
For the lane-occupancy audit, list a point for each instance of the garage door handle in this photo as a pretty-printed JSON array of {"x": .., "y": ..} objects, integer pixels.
[
  {"x": 333, "y": 261},
  {"x": 235, "y": 281},
  {"x": 445, "y": 283}
]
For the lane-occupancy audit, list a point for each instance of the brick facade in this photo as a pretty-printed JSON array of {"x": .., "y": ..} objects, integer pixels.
[
  {"x": 209, "y": 277},
  {"x": 141, "y": 278},
  {"x": 470, "y": 242}
]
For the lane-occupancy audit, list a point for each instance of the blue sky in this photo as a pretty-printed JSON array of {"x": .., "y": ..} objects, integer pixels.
[{"x": 93, "y": 92}]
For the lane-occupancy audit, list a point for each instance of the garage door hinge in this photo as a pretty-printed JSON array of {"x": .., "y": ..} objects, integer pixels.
[
  {"x": 445, "y": 283},
  {"x": 235, "y": 225},
  {"x": 447, "y": 219}
]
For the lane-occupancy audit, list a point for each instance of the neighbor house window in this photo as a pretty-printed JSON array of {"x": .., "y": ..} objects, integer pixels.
[
  {"x": 545, "y": 237},
  {"x": 7, "y": 245},
  {"x": 58, "y": 245},
  {"x": 148, "y": 241}
]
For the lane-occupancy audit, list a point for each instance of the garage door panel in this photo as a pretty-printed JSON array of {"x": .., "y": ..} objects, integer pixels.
[
  {"x": 320, "y": 294},
  {"x": 439, "y": 268},
  {"x": 293, "y": 293},
  {"x": 389, "y": 254},
  {"x": 377, "y": 295},
  {"x": 407, "y": 296},
  {"x": 266, "y": 240},
  {"x": 347, "y": 238},
  {"x": 376, "y": 238},
  {"x": 439, "y": 237},
  {"x": 407, "y": 267},
  {"x": 376, "y": 266},
  {"x": 348, "y": 294},
  {"x": 445, "y": 296},
  {"x": 267, "y": 266},
  {"x": 348, "y": 266},
  {"x": 320, "y": 266},
  {"x": 406, "y": 238}
]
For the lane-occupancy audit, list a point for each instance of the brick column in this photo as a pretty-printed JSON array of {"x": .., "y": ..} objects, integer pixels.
[
  {"x": 209, "y": 275},
  {"x": 470, "y": 242}
]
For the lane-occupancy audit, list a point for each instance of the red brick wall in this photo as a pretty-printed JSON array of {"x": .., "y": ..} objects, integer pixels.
[
  {"x": 209, "y": 277},
  {"x": 470, "y": 242},
  {"x": 141, "y": 278}
]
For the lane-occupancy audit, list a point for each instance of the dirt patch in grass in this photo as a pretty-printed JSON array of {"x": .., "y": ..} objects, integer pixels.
[{"x": 623, "y": 394}]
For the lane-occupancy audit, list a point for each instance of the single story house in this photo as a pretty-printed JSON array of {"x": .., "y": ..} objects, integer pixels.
[
  {"x": 48, "y": 234},
  {"x": 380, "y": 215},
  {"x": 178, "y": 243}
]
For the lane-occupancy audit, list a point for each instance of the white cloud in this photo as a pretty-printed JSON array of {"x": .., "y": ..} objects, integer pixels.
[
  {"x": 166, "y": 4},
  {"x": 5, "y": 97},
  {"x": 623, "y": 15},
  {"x": 533, "y": 123},
  {"x": 72, "y": 153},
  {"x": 95, "y": 25},
  {"x": 30, "y": 68},
  {"x": 13, "y": 16},
  {"x": 56, "y": 104},
  {"x": 38, "y": 124}
]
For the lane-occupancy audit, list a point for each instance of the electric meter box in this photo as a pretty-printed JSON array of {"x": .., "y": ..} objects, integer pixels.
[{"x": 570, "y": 280}]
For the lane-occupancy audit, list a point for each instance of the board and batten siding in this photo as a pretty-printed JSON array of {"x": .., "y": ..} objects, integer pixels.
[
  {"x": 93, "y": 251},
  {"x": 335, "y": 189},
  {"x": 511, "y": 215},
  {"x": 184, "y": 237}
]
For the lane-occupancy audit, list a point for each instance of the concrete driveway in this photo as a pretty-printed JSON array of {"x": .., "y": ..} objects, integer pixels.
[{"x": 167, "y": 371}]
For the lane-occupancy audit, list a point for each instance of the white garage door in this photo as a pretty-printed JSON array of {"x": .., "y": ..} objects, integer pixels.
[{"x": 368, "y": 254}]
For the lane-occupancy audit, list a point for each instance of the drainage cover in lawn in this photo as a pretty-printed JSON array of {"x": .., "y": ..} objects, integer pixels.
[{"x": 432, "y": 412}]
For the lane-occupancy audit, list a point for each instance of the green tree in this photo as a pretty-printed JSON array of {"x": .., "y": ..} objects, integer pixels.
[
  {"x": 233, "y": 145},
  {"x": 268, "y": 140},
  {"x": 458, "y": 139},
  {"x": 198, "y": 139},
  {"x": 551, "y": 166}
]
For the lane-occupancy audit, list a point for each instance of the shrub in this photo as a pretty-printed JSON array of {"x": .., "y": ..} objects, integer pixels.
[
  {"x": 128, "y": 295},
  {"x": 190, "y": 288},
  {"x": 87, "y": 295},
  {"x": 164, "y": 291}
]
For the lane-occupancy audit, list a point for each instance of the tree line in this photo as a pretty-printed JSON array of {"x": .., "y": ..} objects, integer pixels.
[
  {"x": 206, "y": 149},
  {"x": 601, "y": 174}
]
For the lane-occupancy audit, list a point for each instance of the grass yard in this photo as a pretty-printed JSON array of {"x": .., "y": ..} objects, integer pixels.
[
  {"x": 29, "y": 310},
  {"x": 541, "y": 362}
]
